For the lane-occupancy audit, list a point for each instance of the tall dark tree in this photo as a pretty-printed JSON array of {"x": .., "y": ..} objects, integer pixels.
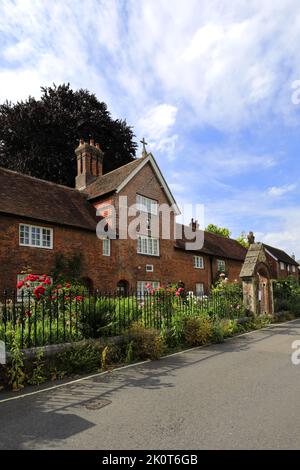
[{"x": 38, "y": 137}]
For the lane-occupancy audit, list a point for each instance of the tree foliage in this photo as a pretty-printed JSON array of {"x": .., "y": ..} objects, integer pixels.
[
  {"x": 38, "y": 137},
  {"x": 225, "y": 232},
  {"x": 242, "y": 239}
]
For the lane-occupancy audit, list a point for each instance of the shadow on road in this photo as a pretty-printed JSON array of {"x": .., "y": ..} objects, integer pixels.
[{"x": 51, "y": 416}]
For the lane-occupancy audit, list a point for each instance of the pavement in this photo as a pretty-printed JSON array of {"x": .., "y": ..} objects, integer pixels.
[{"x": 242, "y": 394}]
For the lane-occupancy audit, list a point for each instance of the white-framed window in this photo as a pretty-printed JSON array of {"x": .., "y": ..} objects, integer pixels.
[
  {"x": 148, "y": 246},
  {"x": 288, "y": 268},
  {"x": 198, "y": 262},
  {"x": 145, "y": 204},
  {"x": 282, "y": 266},
  {"x": 35, "y": 236},
  {"x": 33, "y": 285},
  {"x": 199, "y": 289},
  {"x": 221, "y": 265},
  {"x": 106, "y": 247},
  {"x": 142, "y": 286},
  {"x": 149, "y": 268},
  {"x": 294, "y": 268}
]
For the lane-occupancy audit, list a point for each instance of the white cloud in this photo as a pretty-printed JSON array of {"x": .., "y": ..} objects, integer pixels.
[
  {"x": 278, "y": 191},
  {"x": 157, "y": 125},
  {"x": 227, "y": 65}
]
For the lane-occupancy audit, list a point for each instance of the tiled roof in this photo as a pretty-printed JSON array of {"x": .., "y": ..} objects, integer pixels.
[
  {"x": 281, "y": 255},
  {"x": 217, "y": 245},
  {"x": 34, "y": 198},
  {"x": 111, "y": 181}
]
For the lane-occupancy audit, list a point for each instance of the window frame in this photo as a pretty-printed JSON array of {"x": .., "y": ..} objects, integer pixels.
[
  {"x": 282, "y": 266},
  {"x": 293, "y": 268},
  {"x": 33, "y": 285},
  {"x": 141, "y": 239},
  {"x": 41, "y": 228},
  {"x": 199, "y": 294},
  {"x": 108, "y": 241},
  {"x": 223, "y": 263},
  {"x": 201, "y": 266},
  {"x": 142, "y": 292},
  {"x": 141, "y": 206}
]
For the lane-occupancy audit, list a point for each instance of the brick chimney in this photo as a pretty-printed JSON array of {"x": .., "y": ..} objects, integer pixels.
[
  {"x": 251, "y": 238},
  {"x": 89, "y": 163}
]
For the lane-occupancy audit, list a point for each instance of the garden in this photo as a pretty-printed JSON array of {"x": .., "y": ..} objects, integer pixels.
[{"x": 98, "y": 330}]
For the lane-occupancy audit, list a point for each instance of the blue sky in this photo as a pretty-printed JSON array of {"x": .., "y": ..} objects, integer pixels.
[{"x": 208, "y": 83}]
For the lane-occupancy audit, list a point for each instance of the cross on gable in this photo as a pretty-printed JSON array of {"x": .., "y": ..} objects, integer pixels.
[{"x": 144, "y": 145}]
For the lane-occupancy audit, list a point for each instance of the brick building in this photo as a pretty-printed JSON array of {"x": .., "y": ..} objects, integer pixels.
[{"x": 40, "y": 221}]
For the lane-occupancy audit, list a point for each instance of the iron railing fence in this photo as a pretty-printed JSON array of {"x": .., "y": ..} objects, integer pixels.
[{"x": 65, "y": 317}]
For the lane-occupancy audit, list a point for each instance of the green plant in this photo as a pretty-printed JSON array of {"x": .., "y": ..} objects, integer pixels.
[
  {"x": 197, "y": 331},
  {"x": 104, "y": 358},
  {"x": 16, "y": 370},
  {"x": 147, "y": 343},
  {"x": 129, "y": 353},
  {"x": 81, "y": 357},
  {"x": 217, "y": 333},
  {"x": 38, "y": 373}
]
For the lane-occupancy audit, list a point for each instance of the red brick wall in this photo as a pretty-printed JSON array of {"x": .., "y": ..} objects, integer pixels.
[
  {"x": 69, "y": 241},
  {"x": 277, "y": 272},
  {"x": 172, "y": 265}
]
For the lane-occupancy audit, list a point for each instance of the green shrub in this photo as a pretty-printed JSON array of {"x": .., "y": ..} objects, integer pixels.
[
  {"x": 147, "y": 343},
  {"x": 197, "y": 331},
  {"x": 38, "y": 375},
  {"x": 83, "y": 357},
  {"x": 16, "y": 371},
  {"x": 97, "y": 315},
  {"x": 217, "y": 333}
]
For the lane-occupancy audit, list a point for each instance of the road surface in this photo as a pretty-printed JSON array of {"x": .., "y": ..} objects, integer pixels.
[{"x": 242, "y": 394}]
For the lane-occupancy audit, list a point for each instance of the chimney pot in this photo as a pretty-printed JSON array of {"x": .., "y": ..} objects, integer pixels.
[{"x": 251, "y": 238}]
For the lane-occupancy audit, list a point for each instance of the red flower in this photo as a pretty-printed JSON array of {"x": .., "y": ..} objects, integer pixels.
[
  {"x": 28, "y": 314},
  {"x": 47, "y": 281},
  {"x": 20, "y": 284},
  {"x": 38, "y": 291},
  {"x": 177, "y": 294},
  {"x": 79, "y": 298},
  {"x": 59, "y": 286},
  {"x": 31, "y": 278},
  {"x": 68, "y": 285}
]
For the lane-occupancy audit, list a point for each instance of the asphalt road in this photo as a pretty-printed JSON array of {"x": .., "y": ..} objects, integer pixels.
[{"x": 243, "y": 394}]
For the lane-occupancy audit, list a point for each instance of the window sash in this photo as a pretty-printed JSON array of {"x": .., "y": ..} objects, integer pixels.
[
  {"x": 199, "y": 288},
  {"x": 141, "y": 289},
  {"x": 221, "y": 265},
  {"x": 198, "y": 262},
  {"x": 33, "y": 285},
  {"x": 106, "y": 247},
  {"x": 35, "y": 236},
  {"x": 148, "y": 246},
  {"x": 282, "y": 266},
  {"x": 145, "y": 204}
]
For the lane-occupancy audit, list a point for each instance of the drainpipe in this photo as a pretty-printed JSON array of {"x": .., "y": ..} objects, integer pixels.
[{"x": 211, "y": 271}]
